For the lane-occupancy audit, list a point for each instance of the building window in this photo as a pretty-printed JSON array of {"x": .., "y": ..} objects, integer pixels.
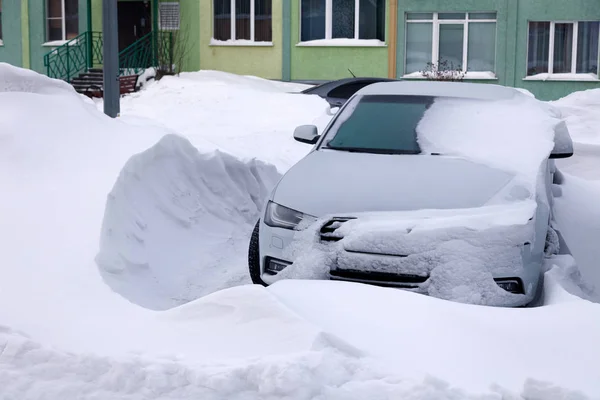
[
  {"x": 62, "y": 20},
  {"x": 342, "y": 19},
  {"x": 466, "y": 41},
  {"x": 563, "y": 48},
  {"x": 243, "y": 20}
]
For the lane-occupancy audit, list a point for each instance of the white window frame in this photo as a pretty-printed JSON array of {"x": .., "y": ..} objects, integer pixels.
[
  {"x": 435, "y": 42},
  {"x": 232, "y": 38},
  {"x": 551, "y": 49},
  {"x": 329, "y": 21},
  {"x": 63, "y": 18}
]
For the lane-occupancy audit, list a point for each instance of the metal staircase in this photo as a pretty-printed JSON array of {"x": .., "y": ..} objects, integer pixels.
[{"x": 79, "y": 61}]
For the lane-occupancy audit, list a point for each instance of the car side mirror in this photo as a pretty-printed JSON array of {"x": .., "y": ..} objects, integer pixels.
[
  {"x": 563, "y": 145},
  {"x": 308, "y": 134}
]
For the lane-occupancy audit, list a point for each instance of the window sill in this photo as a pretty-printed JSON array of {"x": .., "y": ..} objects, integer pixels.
[
  {"x": 239, "y": 43},
  {"x": 563, "y": 77},
  {"x": 342, "y": 43},
  {"x": 56, "y": 43},
  {"x": 469, "y": 76}
]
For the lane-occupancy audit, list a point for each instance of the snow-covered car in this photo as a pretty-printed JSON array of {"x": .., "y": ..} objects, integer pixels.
[{"x": 384, "y": 211}]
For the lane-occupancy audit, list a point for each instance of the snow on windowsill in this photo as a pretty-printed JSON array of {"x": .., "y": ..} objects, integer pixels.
[
  {"x": 474, "y": 75},
  {"x": 342, "y": 43},
  {"x": 247, "y": 43},
  {"x": 563, "y": 77}
]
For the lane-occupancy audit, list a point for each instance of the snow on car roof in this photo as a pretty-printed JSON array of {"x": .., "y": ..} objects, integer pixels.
[{"x": 442, "y": 89}]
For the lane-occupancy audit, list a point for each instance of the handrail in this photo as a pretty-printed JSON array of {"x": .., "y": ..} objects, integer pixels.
[
  {"x": 75, "y": 56},
  {"x": 86, "y": 51}
]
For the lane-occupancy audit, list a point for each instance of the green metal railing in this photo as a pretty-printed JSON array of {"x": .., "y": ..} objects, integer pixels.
[
  {"x": 74, "y": 57},
  {"x": 152, "y": 50},
  {"x": 85, "y": 51}
]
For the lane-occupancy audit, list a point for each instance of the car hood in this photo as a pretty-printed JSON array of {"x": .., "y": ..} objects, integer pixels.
[{"x": 328, "y": 182}]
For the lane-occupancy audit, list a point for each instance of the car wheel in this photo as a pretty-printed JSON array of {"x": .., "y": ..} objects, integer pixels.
[{"x": 254, "y": 257}]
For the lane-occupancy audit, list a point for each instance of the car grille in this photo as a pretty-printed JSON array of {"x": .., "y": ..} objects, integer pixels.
[
  {"x": 378, "y": 278},
  {"x": 328, "y": 230}
]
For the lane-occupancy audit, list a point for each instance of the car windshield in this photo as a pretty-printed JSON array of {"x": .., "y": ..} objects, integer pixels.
[{"x": 379, "y": 124}]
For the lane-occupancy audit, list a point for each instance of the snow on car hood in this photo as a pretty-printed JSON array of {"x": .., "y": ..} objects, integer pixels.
[
  {"x": 458, "y": 251},
  {"x": 338, "y": 182}
]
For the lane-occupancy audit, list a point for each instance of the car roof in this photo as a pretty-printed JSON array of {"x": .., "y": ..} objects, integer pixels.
[{"x": 483, "y": 91}]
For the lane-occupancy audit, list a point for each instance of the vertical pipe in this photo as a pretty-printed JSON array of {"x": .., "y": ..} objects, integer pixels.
[
  {"x": 392, "y": 38},
  {"x": 111, "y": 58}
]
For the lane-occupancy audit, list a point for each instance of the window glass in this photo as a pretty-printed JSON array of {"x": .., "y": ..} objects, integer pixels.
[
  {"x": 313, "y": 20},
  {"x": 242, "y": 19},
  {"x": 563, "y": 48},
  {"x": 451, "y": 15},
  {"x": 71, "y": 19},
  {"x": 491, "y": 15},
  {"x": 381, "y": 123},
  {"x": 343, "y": 12},
  {"x": 419, "y": 38},
  {"x": 451, "y": 44},
  {"x": 371, "y": 19},
  {"x": 222, "y": 20},
  {"x": 587, "y": 47},
  {"x": 539, "y": 47},
  {"x": 481, "y": 53},
  {"x": 263, "y": 11},
  {"x": 426, "y": 16}
]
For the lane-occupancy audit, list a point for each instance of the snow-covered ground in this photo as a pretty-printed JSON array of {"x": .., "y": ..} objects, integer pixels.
[{"x": 103, "y": 222}]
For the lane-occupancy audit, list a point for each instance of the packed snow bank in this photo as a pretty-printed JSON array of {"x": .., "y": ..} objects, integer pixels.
[
  {"x": 296, "y": 340},
  {"x": 581, "y": 110},
  {"x": 24, "y": 80},
  {"x": 247, "y": 117},
  {"x": 577, "y": 212},
  {"x": 470, "y": 346},
  {"x": 516, "y": 135},
  {"x": 177, "y": 223}
]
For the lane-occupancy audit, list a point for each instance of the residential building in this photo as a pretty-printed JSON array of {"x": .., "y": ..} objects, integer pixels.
[{"x": 549, "y": 47}]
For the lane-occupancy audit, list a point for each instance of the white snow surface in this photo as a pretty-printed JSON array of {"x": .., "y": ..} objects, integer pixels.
[
  {"x": 515, "y": 135},
  {"x": 66, "y": 334}
]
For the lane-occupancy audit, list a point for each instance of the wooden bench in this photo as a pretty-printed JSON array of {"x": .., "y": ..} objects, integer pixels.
[{"x": 127, "y": 84}]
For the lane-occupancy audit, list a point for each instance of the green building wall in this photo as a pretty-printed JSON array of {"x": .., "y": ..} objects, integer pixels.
[
  {"x": 259, "y": 60},
  {"x": 550, "y": 10},
  {"x": 11, "y": 51},
  {"x": 333, "y": 62},
  {"x": 37, "y": 32}
]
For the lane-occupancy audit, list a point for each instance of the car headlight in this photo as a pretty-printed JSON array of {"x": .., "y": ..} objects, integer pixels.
[{"x": 278, "y": 216}]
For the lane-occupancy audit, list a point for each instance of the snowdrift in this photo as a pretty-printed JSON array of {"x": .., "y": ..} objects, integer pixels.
[
  {"x": 65, "y": 334},
  {"x": 177, "y": 223},
  {"x": 246, "y": 117}
]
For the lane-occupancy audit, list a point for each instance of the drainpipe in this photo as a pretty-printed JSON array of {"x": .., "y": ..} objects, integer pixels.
[
  {"x": 155, "y": 33},
  {"x": 89, "y": 35}
]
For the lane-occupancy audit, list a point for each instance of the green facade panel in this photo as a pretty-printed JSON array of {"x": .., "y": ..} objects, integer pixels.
[
  {"x": 331, "y": 62},
  {"x": 11, "y": 50},
  {"x": 550, "y": 10}
]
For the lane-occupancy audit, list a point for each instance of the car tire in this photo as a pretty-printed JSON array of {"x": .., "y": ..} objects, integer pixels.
[{"x": 254, "y": 257}]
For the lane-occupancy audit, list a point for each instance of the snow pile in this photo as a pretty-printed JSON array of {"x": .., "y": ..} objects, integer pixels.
[
  {"x": 581, "y": 111},
  {"x": 458, "y": 250},
  {"x": 24, "y": 80},
  {"x": 177, "y": 223},
  {"x": 247, "y": 117},
  {"x": 65, "y": 334},
  {"x": 514, "y": 135}
]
